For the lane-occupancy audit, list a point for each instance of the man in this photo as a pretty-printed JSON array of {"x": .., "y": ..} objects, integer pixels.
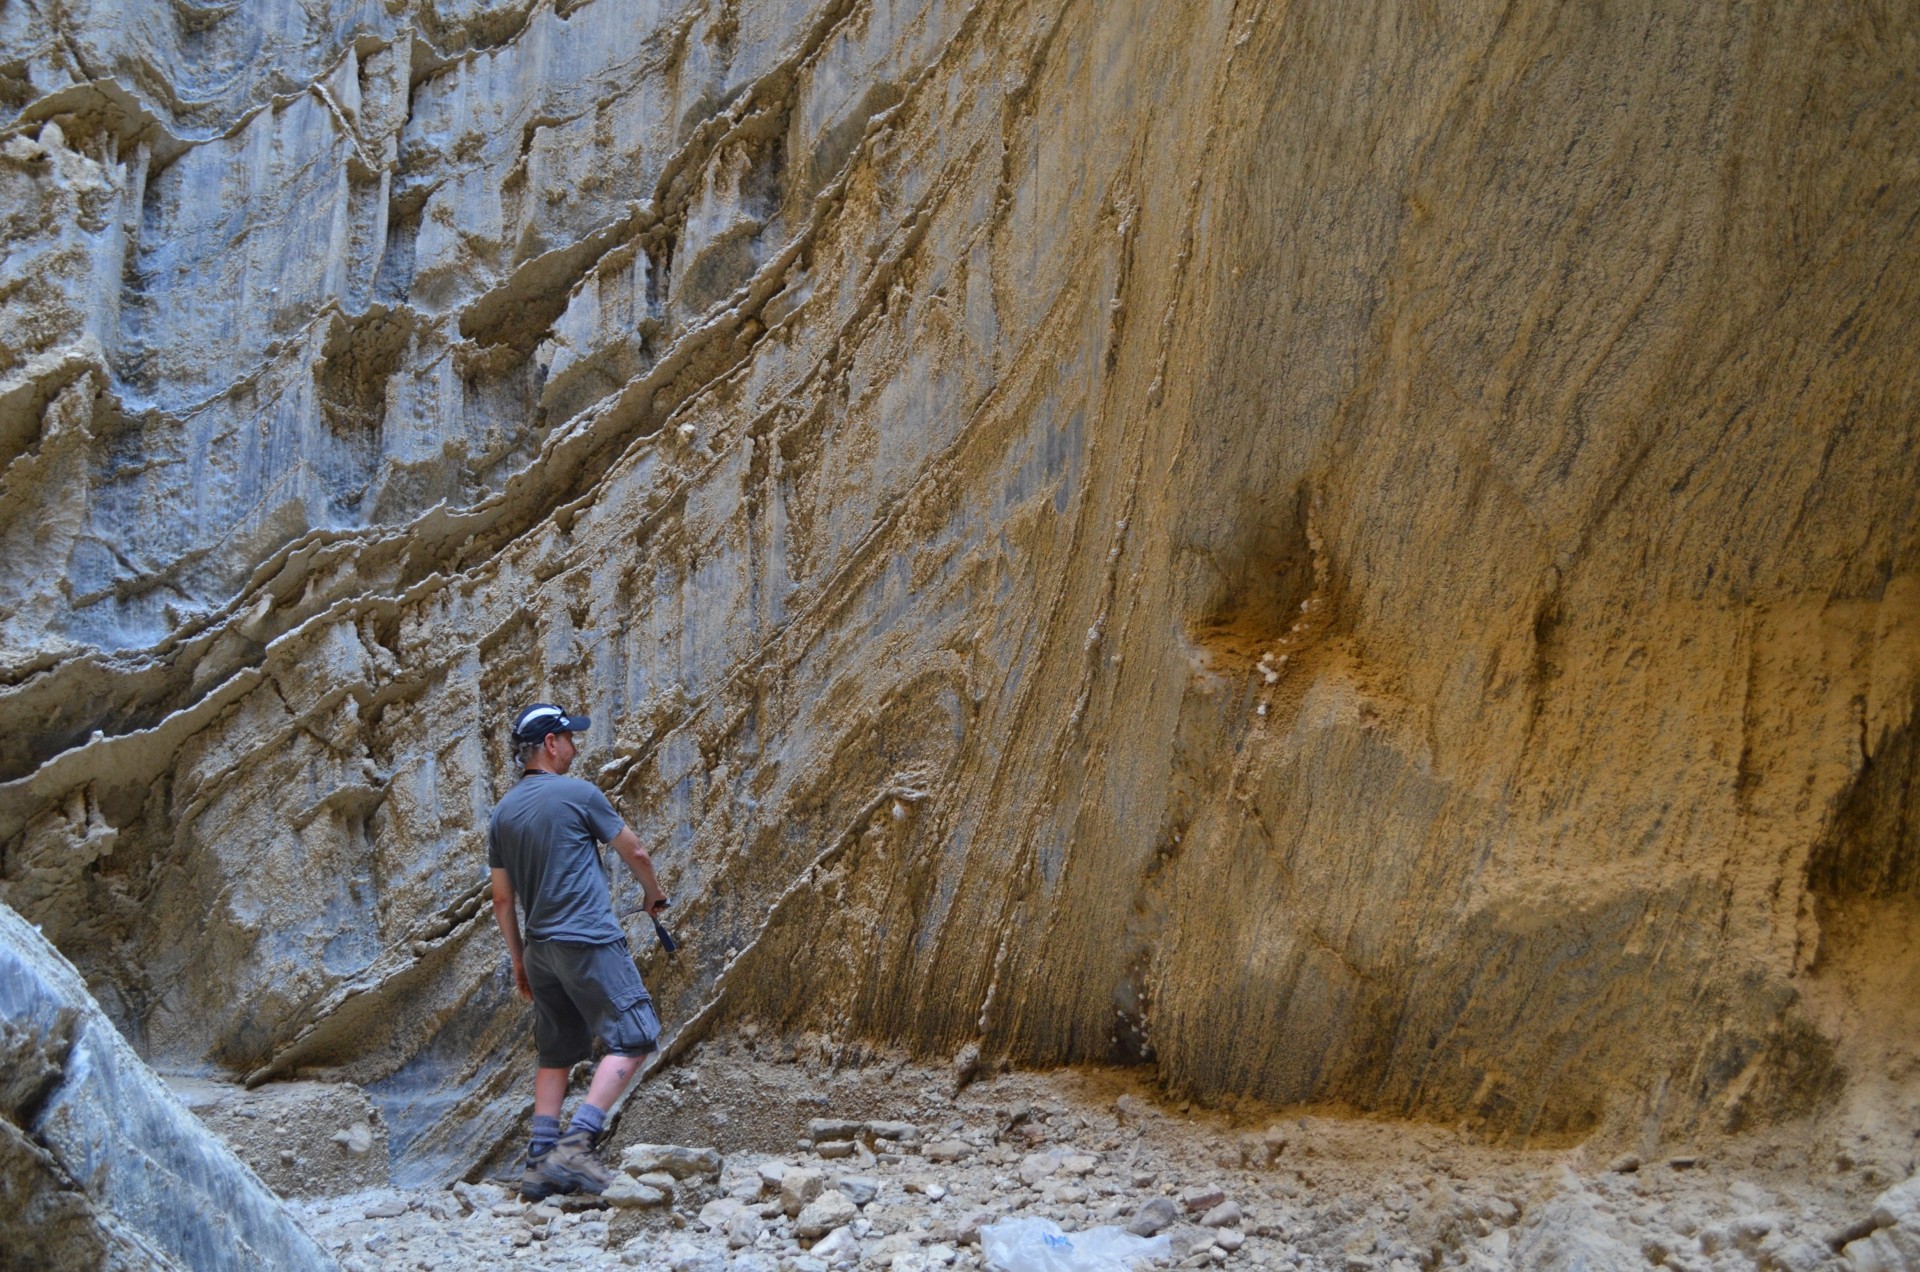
[{"x": 574, "y": 965}]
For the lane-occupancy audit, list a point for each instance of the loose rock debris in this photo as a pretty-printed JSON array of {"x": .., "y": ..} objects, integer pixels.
[{"x": 1302, "y": 1191}]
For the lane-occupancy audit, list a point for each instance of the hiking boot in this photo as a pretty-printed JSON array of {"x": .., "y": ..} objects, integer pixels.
[
  {"x": 573, "y": 1166},
  {"x": 536, "y": 1184}
]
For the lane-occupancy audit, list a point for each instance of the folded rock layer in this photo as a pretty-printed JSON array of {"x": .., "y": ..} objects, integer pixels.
[{"x": 1358, "y": 554}]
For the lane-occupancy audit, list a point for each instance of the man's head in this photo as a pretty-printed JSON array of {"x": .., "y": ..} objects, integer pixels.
[{"x": 543, "y": 737}]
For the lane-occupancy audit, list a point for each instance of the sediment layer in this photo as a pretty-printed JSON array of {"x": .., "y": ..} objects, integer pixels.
[{"x": 1360, "y": 556}]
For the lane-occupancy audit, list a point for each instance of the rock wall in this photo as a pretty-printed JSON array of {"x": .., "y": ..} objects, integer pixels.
[
  {"x": 1363, "y": 555},
  {"x": 101, "y": 1166}
]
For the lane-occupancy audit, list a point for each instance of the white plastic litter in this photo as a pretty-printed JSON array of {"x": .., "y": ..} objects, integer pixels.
[{"x": 1038, "y": 1245}]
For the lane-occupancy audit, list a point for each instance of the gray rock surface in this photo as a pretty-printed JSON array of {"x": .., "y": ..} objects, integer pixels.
[
  {"x": 899, "y": 1132},
  {"x": 1202, "y": 1197},
  {"x": 821, "y": 1129},
  {"x": 1152, "y": 1217},
  {"x": 824, "y": 1213},
  {"x": 628, "y": 1192},
  {"x": 799, "y": 1186},
  {"x": 103, "y": 1165},
  {"x": 1894, "y": 1243},
  {"x": 673, "y": 1159},
  {"x": 858, "y": 1189},
  {"x": 839, "y": 1248},
  {"x": 1035, "y": 1167},
  {"x": 1436, "y": 481},
  {"x": 1224, "y": 1215}
]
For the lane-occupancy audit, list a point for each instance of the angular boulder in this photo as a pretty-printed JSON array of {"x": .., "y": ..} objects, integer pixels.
[
  {"x": 1893, "y": 1245},
  {"x": 824, "y": 1213},
  {"x": 674, "y": 1159}
]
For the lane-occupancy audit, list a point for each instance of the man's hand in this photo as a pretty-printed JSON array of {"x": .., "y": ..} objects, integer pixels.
[
  {"x": 655, "y": 903},
  {"x": 520, "y": 984}
]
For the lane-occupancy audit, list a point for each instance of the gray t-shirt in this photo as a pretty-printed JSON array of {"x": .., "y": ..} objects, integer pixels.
[{"x": 543, "y": 835}]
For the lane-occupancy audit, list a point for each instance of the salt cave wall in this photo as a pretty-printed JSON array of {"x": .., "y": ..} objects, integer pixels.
[{"x": 1355, "y": 553}]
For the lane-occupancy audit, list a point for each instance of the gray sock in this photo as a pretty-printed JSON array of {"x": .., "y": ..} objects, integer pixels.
[
  {"x": 545, "y": 1131},
  {"x": 588, "y": 1118}
]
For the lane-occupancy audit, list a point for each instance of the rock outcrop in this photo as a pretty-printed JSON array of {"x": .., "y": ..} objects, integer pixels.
[
  {"x": 102, "y": 1167},
  {"x": 1363, "y": 555},
  {"x": 1893, "y": 1242}
]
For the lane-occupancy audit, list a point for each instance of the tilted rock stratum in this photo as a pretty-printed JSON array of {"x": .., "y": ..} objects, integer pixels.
[
  {"x": 100, "y": 1165},
  {"x": 1358, "y": 554}
]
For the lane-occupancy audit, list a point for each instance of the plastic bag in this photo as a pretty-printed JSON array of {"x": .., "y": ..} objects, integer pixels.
[{"x": 1038, "y": 1245}]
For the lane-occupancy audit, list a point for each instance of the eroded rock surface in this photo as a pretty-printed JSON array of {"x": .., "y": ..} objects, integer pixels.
[
  {"x": 1364, "y": 555},
  {"x": 102, "y": 1166}
]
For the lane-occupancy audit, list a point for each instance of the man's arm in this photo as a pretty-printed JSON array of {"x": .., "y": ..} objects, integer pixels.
[
  {"x": 627, "y": 844},
  {"x": 510, "y": 928}
]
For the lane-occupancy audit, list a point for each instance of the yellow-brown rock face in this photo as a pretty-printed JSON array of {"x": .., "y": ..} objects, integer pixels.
[{"x": 1364, "y": 554}]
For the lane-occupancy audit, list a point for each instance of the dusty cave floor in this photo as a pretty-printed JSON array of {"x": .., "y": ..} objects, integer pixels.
[{"x": 1307, "y": 1190}]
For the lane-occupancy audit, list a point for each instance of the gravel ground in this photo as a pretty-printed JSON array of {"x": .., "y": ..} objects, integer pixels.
[{"x": 909, "y": 1190}]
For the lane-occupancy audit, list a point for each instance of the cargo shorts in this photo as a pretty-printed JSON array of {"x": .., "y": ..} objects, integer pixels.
[{"x": 582, "y": 992}]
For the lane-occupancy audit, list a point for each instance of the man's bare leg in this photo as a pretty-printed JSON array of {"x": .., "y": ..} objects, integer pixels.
[
  {"x": 549, "y": 1091},
  {"x": 571, "y": 1166},
  {"x": 610, "y": 1078}
]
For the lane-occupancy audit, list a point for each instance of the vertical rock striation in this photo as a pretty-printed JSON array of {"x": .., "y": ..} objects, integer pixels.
[{"x": 1363, "y": 555}]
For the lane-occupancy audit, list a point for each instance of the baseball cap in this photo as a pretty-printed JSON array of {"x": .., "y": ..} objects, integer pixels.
[{"x": 543, "y": 718}]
